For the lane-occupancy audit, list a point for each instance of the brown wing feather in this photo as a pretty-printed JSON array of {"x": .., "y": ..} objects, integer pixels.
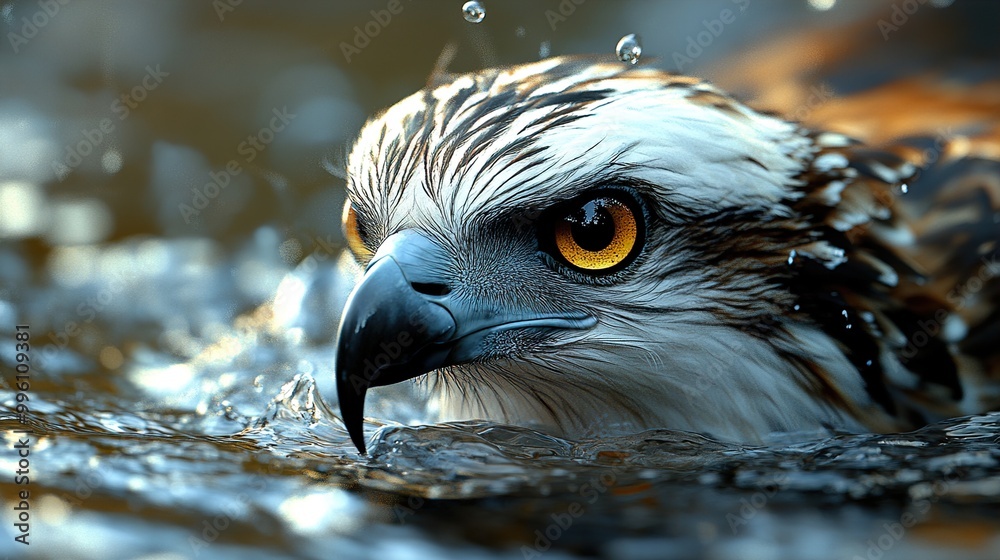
[
  {"x": 923, "y": 268},
  {"x": 922, "y": 271}
]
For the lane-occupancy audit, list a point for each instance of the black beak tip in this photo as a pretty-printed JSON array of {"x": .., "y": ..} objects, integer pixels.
[
  {"x": 352, "y": 403},
  {"x": 355, "y": 428},
  {"x": 358, "y": 437}
]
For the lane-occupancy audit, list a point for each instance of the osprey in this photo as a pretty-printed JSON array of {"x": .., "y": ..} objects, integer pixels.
[{"x": 572, "y": 244}]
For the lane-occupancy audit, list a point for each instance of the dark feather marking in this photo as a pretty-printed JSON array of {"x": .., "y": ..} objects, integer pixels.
[
  {"x": 817, "y": 375},
  {"x": 510, "y": 185},
  {"x": 574, "y": 98},
  {"x": 562, "y": 121},
  {"x": 540, "y": 123},
  {"x": 833, "y": 298},
  {"x": 903, "y": 267},
  {"x": 859, "y": 344},
  {"x": 932, "y": 361},
  {"x": 757, "y": 163},
  {"x": 511, "y": 150},
  {"x": 503, "y": 195},
  {"x": 982, "y": 339},
  {"x": 528, "y": 154},
  {"x": 855, "y": 286}
]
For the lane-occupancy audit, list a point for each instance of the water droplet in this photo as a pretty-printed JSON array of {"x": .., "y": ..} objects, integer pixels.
[
  {"x": 904, "y": 188},
  {"x": 290, "y": 251},
  {"x": 629, "y": 49},
  {"x": 473, "y": 11},
  {"x": 796, "y": 307},
  {"x": 791, "y": 257},
  {"x": 822, "y": 5},
  {"x": 545, "y": 49},
  {"x": 868, "y": 363},
  {"x": 111, "y": 161}
]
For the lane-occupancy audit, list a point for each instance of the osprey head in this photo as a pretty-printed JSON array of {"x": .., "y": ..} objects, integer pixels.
[{"x": 571, "y": 242}]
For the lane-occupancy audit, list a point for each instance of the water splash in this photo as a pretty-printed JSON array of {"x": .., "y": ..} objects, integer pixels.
[
  {"x": 296, "y": 455},
  {"x": 473, "y": 11},
  {"x": 629, "y": 50}
]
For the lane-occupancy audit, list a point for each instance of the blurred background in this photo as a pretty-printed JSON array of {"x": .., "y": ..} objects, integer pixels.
[
  {"x": 167, "y": 166},
  {"x": 162, "y": 138}
]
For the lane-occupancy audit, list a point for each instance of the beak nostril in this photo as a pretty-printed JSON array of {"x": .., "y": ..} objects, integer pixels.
[{"x": 431, "y": 289}]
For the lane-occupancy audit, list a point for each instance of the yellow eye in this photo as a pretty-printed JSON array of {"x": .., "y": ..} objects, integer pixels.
[
  {"x": 353, "y": 234},
  {"x": 599, "y": 234}
]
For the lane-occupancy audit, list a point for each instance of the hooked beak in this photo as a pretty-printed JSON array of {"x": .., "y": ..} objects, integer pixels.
[{"x": 403, "y": 320}]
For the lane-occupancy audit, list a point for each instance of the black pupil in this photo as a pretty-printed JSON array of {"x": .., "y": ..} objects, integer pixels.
[{"x": 593, "y": 227}]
